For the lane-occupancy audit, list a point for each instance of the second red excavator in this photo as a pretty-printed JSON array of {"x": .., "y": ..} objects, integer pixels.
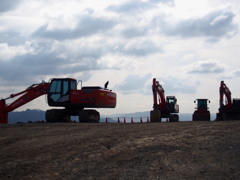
[
  {"x": 163, "y": 107},
  {"x": 230, "y": 109}
]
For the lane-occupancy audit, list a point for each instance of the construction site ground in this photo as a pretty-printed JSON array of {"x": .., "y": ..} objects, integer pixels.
[{"x": 182, "y": 150}]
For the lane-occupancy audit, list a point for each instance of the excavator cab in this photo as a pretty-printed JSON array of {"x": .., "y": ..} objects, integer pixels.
[
  {"x": 236, "y": 103},
  {"x": 172, "y": 104},
  {"x": 59, "y": 91}
]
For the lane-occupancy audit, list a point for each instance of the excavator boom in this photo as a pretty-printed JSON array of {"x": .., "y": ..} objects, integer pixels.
[
  {"x": 31, "y": 93},
  {"x": 224, "y": 91},
  {"x": 158, "y": 91}
]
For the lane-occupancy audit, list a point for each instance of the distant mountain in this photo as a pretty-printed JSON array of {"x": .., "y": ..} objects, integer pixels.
[
  {"x": 29, "y": 115},
  {"x": 33, "y": 115}
]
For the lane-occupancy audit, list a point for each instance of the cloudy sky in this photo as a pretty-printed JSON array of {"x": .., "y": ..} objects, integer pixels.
[{"x": 189, "y": 46}]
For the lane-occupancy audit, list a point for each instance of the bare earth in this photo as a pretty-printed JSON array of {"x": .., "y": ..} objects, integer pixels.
[{"x": 183, "y": 150}]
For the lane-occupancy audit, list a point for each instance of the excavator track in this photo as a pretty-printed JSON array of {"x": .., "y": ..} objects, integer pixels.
[
  {"x": 64, "y": 115},
  {"x": 57, "y": 115},
  {"x": 173, "y": 118},
  {"x": 89, "y": 116}
]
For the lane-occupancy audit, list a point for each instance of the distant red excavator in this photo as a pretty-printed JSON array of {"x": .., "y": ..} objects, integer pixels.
[
  {"x": 63, "y": 92},
  {"x": 230, "y": 109},
  {"x": 163, "y": 107}
]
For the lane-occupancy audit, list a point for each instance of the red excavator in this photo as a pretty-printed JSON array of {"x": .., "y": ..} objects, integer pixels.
[
  {"x": 63, "y": 92},
  {"x": 201, "y": 113},
  {"x": 163, "y": 107},
  {"x": 230, "y": 110}
]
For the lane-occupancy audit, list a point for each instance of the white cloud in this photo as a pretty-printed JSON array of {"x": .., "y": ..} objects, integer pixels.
[
  {"x": 214, "y": 25},
  {"x": 139, "y": 47},
  {"x": 8, "y": 52},
  {"x": 86, "y": 26},
  {"x": 206, "y": 67},
  {"x": 176, "y": 85},
  {"x": 131, "y": 7},
  {"x": 133, "y": 84}
]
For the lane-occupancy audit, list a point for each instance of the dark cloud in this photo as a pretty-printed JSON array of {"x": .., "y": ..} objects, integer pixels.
[
  {"x": 137, "y": 48},
  {"x": 86, "y": 26},
  {"x": 142, "y": 84},
  {"x": 136, "y": 5},
  {"x": 231, "y": 75},
  {"x": 133, "y": 32},
  {"x": 206, "y": 67},
  {"x": 130, "y": 6},
  {"x": 12, "y": 37},
  {"x": 169, "y": 2},
  {"x": 30, "y": 67},
  {"x": 213, "y": 25},
  {"x": 7, "y": 5},
  {"x": 237, "y": 73},
  {"x": 133, "y": 84},
  {"x": 174, "y": 85},
  {"x": 45, "y": 58}
]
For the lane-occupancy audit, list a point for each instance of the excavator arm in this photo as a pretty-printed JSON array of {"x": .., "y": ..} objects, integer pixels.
[
  {"x": 31, "y": 93},
  {"x": 158, "y": 91},
  {"x": 224, "y": 90}
]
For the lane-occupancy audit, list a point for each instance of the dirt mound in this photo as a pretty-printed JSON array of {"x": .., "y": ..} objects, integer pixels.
[{"x": 183, "y": 150}]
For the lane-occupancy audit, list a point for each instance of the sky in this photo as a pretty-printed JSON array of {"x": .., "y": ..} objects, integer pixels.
[{"x": 188, "y": 46}]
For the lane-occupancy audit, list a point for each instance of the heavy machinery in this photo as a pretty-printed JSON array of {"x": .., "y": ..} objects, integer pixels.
[
  {"x": 63, "y": 92},
  {"x": 201, "y": 113},
  {"x": 230, "y": 110},
  {"x": 163, "y": 107}
]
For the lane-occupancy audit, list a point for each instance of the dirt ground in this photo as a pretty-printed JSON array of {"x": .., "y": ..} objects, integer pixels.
[{"x": 183, "y": 150}]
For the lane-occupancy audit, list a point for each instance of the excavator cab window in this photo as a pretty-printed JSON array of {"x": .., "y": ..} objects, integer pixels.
[
  {"x": 73, "y": 85},
  {"x": 171, "y": 102},
  {"x": 60, "y": 90}
]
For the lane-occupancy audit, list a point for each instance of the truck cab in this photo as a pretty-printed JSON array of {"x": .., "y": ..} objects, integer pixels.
[
  {"x": 202, "y": 104},
  {"x": 172, "y": 104},
  {"x": 201, "y": 113}
]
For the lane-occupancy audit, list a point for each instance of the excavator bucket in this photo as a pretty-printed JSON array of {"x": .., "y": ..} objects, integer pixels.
[
  {"x": 155, "y": 116},
  {"x": 3, "y": 113}
]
